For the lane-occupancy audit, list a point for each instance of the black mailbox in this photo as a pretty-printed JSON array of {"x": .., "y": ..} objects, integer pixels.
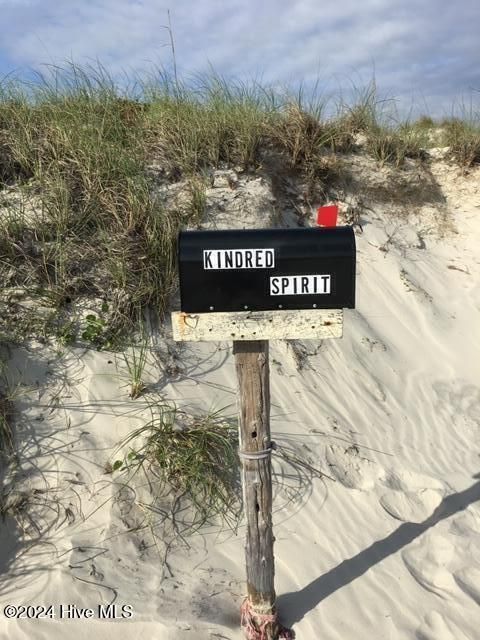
[{"x": 262, "y": 269}]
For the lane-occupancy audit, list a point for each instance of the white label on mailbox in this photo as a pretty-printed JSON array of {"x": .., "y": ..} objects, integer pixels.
[
  {"x": 238, "y": 258},
  {"x": 299, "y": 285}
]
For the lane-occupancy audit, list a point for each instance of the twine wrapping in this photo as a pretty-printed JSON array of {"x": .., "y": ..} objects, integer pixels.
[
  {"x": 257, "y": 455},
  {"x": 255, "y": 624},
  {"x": 254, "y": 455}
]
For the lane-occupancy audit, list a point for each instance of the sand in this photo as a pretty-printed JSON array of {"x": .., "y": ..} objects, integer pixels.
[{"x": 387, "y": 549}]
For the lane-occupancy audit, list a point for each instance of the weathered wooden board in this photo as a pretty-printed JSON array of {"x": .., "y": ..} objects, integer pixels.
[
  {"x": 251, "y": 364},
  {"x": 258, "y": 325}
]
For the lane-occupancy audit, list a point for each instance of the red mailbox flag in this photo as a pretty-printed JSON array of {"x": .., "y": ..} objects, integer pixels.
[{"x": 327, "y": 216}]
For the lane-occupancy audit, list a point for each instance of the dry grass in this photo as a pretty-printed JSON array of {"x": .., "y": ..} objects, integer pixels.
[
  {"x": 463, "y": 138},
  {"x": 78, "y": 147}
]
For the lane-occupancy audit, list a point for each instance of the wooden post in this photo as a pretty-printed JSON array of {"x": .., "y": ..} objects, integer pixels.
[
  {"x": 252, "y": 366},
  {"x": 250, "y": 332}
]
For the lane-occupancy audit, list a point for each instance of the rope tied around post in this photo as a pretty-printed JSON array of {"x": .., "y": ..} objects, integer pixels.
[
  {"x": 255, "y": 624},
  {"x": 257, "y": 455}
]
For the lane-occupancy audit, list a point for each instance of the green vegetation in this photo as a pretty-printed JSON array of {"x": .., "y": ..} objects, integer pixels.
[
  {"x": 79, "y": 218},
  {"x": 135, "y": 363},
  {"x": 463, "y": 138},
  {"x": 7, "y": 411},
  {"x": 194, "y": 458},
  {"x": 6, "y": 432},
  {"x": 82, "y": 226},
  {"x": 198, "y": 199},
  {"x": 94, "y": 329}
]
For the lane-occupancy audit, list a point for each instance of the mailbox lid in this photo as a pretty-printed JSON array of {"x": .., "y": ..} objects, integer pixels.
[{"x": 236, "y": 270}]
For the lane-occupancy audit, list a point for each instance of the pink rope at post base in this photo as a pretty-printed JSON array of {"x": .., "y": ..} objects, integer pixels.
[{"x": 254, "y": 624}]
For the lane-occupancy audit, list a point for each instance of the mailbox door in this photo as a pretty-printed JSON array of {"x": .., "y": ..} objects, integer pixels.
[{"x": 266, "y": 269}]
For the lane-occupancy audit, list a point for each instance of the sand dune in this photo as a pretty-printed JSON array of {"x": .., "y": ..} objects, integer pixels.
[{"x": 388, "y": 549}]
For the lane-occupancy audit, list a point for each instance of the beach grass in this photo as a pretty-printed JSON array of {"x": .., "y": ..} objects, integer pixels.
[
  {"x": 462, "y": 136},
  {"x": 7, "y": 446},
  {"x": 77, "y": 150},
  {"x": 7, "y": 412},
  {"x": 135, "y": 360},
  {"x": 194, "y": 459}
]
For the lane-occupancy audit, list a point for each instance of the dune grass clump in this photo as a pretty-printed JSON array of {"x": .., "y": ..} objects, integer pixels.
[
  {"x": 385, "y": 136},
  {"x": 135, "y": 361},
  {"x": 394, "y": 144},
  {"x": 209, "y": 123},
  {"x": 425, "y": 122},
  {"x": 463, "y": 138},
  {"x": 194, "y": 459},
  {"x": 301, "y": 134},
  {"x": 94, "y": 228}
]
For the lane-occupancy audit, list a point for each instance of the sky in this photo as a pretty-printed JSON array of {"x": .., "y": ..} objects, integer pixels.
[{"x": 424, "y": 54}]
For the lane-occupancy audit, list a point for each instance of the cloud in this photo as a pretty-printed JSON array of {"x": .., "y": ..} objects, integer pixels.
[{"x": 428, "y": 49}]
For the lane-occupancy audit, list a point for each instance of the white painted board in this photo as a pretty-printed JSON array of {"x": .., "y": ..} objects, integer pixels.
[{"x": 258, "y": 325}]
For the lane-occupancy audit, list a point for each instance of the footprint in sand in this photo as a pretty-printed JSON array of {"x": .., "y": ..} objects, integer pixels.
[
  {"x": 405, "y": 495},
  {"x": 468, "y": 579},
  {"x": 411, "y": 506},
  {"x": 459, "y": 401},
  {"x": 352, "y": 469},
  {"x": 428, "y": 561},
  {"x": 412, "y": 497},
  {"x": 468, "y": 524},
  {"x": 126, "y": 510},
  {"x": 467, "y": 527},
  {"x": 436, "y": 627}
]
